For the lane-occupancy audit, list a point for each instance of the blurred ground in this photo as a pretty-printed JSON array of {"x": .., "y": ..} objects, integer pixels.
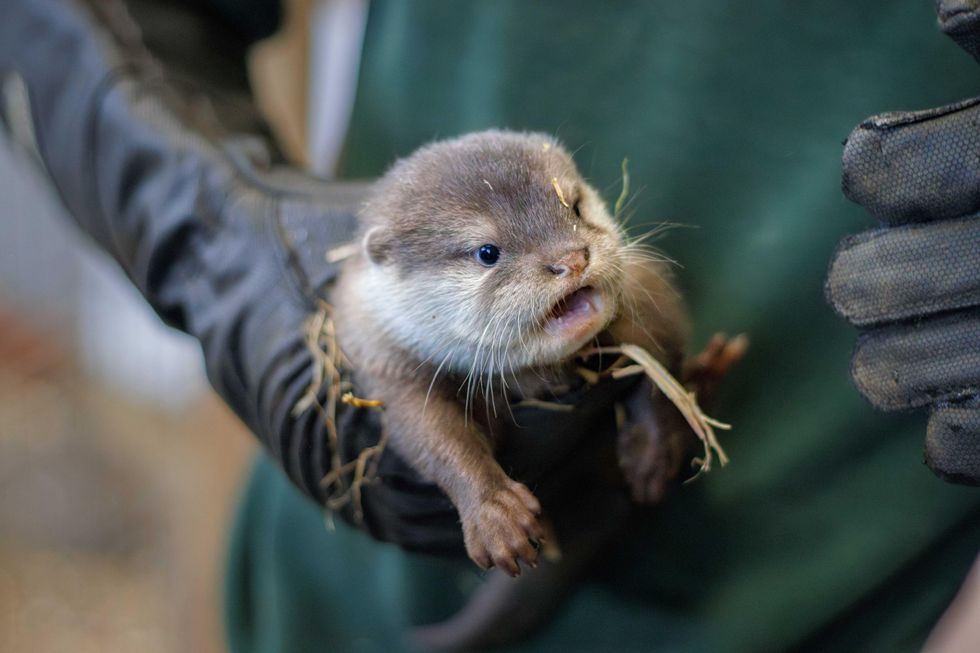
[
  {"x": 118, "y": 468},
  {"x": 113, "y": 515}
]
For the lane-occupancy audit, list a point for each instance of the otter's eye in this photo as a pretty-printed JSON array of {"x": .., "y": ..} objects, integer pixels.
[
  {"x": 575, "y": 207},
  {"x": 488, "y": 254}
]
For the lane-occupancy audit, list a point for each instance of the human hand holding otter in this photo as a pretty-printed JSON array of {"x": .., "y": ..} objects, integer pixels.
[{"x": 229, "y": 248}]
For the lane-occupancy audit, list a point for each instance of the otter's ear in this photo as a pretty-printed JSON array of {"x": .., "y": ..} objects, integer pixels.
[{"x": 377, "y": 245}]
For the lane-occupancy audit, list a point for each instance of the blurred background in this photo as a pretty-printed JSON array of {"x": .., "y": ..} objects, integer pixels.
[{"x": 119, "y": 468}]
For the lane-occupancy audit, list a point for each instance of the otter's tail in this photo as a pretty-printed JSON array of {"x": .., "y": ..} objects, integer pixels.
[{"x": 505, "y": 610}]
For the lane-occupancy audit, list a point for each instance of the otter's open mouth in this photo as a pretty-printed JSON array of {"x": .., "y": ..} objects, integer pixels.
[{"x": 576, "y": 315}]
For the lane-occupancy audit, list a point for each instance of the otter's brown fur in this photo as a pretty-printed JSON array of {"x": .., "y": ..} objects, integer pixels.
[{"x": 442, "y": 337}]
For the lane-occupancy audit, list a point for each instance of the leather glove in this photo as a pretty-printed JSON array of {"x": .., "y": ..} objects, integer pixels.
[
  {"x": 226, "y": 248},
  {"x": 913, "y": 285}
]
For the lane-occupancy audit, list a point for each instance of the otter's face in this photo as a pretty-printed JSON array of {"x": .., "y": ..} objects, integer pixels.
[{"x": 490, "y": 253}]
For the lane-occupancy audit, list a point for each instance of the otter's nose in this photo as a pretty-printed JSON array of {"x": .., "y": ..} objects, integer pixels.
[{"x": 572, "y": 262}]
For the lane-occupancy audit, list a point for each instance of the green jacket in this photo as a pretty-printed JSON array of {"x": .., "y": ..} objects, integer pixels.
[{"x": 825, "y": 532}]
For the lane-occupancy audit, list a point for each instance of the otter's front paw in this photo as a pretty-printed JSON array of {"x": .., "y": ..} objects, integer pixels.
[
  {"x": 499, "y": 527},
  {"x": 654, "y": 439},
  {"x": 652, "y": 445}
]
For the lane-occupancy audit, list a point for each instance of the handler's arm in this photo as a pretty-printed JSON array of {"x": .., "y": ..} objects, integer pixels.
[{"x": 222, "y": 245}]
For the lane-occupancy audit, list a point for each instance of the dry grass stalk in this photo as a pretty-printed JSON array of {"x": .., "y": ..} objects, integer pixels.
[
  {"x": 543, "y": 405},
  {"x": 357, "y": 402},
  {"x": 623, "y": 194},
  {"x": 591, "y": 376},
  {"x": 341, "y": 252},
  {"x": 702, "y": 425},
  {"x": 328, "y": 362},
  {"x": 561, "y": 195}
]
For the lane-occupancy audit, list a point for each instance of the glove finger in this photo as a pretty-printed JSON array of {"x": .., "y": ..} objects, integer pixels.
[
  {"x": 960, "y": 19},
  {"x": 909, "y": 365},
  {"x": 952, "y": 448},
  {"x": 916, "y": 166},
  {"x": 903, "y": 272}
]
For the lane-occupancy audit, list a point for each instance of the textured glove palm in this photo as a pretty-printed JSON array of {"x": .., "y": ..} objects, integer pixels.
[{"x": 913, "y": 285}]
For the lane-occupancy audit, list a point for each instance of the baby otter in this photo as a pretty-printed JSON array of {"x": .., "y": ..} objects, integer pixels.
[{"x": 487, "y": 264}]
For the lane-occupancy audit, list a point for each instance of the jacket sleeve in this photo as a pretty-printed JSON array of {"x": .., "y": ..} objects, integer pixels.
[{"x": 222, "y": 245}]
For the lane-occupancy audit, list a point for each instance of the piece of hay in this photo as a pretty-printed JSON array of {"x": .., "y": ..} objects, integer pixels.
[
  {"x": 543, "y": 405},
  {"x": 624, "y": 193},
  {"x": 357, "y": 402},
  {"x": 561, "y": 195},
  {"x": 702, "y": 425},
  {"x": 341, "y": 252},
  {"x": 329, "y": 367}
]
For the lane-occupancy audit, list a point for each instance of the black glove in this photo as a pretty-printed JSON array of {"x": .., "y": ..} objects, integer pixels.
[
  {"x": 226, "y": 248},
  {"x": 913, "y": 286}
]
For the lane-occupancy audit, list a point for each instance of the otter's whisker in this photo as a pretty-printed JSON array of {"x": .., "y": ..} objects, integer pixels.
[{"x": 435, "y": 376}]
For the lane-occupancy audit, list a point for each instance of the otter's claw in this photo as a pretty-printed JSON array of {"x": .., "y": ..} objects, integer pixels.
[
  {"x": 499, "y": 529},
  {"x": 703, "y": 372}
]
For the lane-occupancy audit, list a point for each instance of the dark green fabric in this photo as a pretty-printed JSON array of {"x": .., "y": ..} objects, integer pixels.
[{"x": 826, "y": 532}]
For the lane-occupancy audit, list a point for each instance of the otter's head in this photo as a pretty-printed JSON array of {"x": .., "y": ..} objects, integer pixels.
[{"x": 489, "y": 252}]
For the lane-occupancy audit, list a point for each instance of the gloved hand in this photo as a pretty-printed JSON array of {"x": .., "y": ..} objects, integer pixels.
[
  {"x": 225, "y": 247},
  {"x": 913, "y": 285}
]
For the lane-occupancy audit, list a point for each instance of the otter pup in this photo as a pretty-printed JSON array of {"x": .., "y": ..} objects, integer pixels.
[{"x": 487, "y": 264}]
